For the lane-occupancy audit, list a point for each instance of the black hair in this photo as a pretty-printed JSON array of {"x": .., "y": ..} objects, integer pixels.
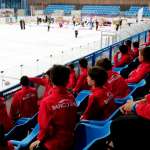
[
  {"x": 71, "y": 65},
  {"x": 99, "y": 75},
  {"x": 123, "y": 49},
  {"x": 136, "y": 44},
  {"x": 24, "y": 81},
  {"x": 83, "y": 62},
  {"x": 104, "y": 63},
  {"x": 59, "y": 75},
  {"x": 128, "y": 43},
  {"x": 146, "y": 54}
]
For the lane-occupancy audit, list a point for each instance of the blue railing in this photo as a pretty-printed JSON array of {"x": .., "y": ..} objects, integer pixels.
[{"x": 105, "y": 52}]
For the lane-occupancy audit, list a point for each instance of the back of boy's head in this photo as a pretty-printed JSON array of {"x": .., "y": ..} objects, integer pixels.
[
  {"x": 24, "y": 81},
  {"x": 104, "y": 63},
  {"x": 136, "y": 44},
  {"x": 146, "y": 54},
  {"x": 83, "y": 63},
  {"x": 123, "y": 49},
  {"x": 71, "y": 66},
  {"x": 128, "y": 43},
  {"x": 99, "y": 75},
  {"x": 59, "y": 75}
]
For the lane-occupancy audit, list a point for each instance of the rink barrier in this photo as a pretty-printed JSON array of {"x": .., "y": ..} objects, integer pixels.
[{"x": 104, "y": 52}]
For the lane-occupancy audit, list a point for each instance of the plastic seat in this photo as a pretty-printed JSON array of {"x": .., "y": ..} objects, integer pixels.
[
  {"x": 24, "y": 143},
  {"x": 119, "y": 69},
  {"x": 121, "y": 101},
  {"x": 82, "y": 96},
  {"x": 14, "y": 133},
  {"x": 135, "y": 86},
  {"x": 101, "y": 122},
  {"x": 86, "y": 134}
]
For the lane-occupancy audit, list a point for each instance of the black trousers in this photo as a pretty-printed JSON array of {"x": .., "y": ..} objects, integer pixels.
[{"x": 130, "y": 132}]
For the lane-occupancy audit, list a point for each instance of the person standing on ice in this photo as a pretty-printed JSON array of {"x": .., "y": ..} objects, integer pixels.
[{"x": 76, "y": 31}]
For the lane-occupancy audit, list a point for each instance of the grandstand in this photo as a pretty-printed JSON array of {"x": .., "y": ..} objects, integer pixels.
[{"x": 34, "y": 50}]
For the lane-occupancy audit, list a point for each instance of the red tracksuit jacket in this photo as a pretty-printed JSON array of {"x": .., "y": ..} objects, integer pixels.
[
  {"x": 100, "y": 104},
  {"x": 9, "y": 146},
  {"x": 72, "y": 79},
  {"x": 131, "y": 53},
  {"x": 139, "y": 73},
  {"x": 81, "y": 81},
  {"x": 125, "y": 59},
  {"x": 117, "y": 84},
  {"x": 44, "y": 82},
  {"x": 136, "y": 52},
  {"x": 143, "y": 108},
  {"x": 24, "y": 103},
  {"x": 4, "y": 118},
  {"x": 57, "y": 119}
]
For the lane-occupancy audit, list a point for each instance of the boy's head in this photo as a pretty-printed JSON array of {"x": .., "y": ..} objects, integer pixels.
[
  {"x": 136, "y": 44},
  {"x": 97, "y": 76},
  {"x": 145, "y": 54},
  {"x": 59, "y": 75},
  {"x": 24, "y": 81},
  {"x": 123, "y": 49},
  {"x": 128, "y": 43},
  {"x": 83, "y": 63},
  {"x": 71, "y": 66},
  {"x": 104, "y": 63}
]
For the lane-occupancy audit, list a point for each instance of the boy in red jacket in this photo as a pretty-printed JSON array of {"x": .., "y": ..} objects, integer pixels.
[
  {"x": 136, "y": 49},
  {"x": 101, "y": 102},
  {"x": 116, "y": 83},
  {"x": 81, "y": 83},
  {"x": 4, "y": 118},
  {"x": 24, "y": 101},
  {"x": 144, "y": 67},
  {"x": 57, "y": 114},
  {"x": 124, "y": 58},
  {"x": 131, "y": 131}
]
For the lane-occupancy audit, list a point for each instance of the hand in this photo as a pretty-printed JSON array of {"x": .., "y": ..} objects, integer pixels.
[
  {"x": 126, "y": 108},
  {"x": 34, "y": 144}
]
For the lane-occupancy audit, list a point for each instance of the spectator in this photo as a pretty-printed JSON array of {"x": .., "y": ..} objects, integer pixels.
[
  {"x": 81, "y": 79},
  {"x": 72, "y": 77},
  {"x": 136, "y": 49},
  {"x": 24, "y": 101},
  {"x": 144, "y": 67},
  {"x": 4, "y": 145},
  {"x": 4, "y": 118},
  {"x": 114, "y": 79},
  {"x": 57, "y": 114},
  {"x": 101, "y": 102},
  {"x": 131, "y": 130},
  {"x": 44, "y": 81},
  {"x": 124, "y": 58},
  {"x": 130, "y": 52}
]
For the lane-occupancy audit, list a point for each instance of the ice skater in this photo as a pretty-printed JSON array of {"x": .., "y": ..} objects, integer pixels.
[{"x": 76, "y": 31}]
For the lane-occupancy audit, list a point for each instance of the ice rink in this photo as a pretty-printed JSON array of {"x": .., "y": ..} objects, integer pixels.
[{"x": 32, "y": 51}]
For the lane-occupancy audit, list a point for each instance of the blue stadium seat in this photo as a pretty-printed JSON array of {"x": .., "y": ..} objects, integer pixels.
[
  {"x": 23, "y": 128},
  {"x": 82, "y": 96},
  {"x": 86, "y": 134},
  {"x": 22, "y": 144},
  {"x": 119, "y": 69},
  {"x": 101, "y": 122},
  {"x": 121, "y": 101}
]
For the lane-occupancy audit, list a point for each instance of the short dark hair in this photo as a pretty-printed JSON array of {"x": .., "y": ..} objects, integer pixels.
[
  {"x": 136, "y": 44},
  {"x": 99, "y": 75},
  {"x": 24, "y": 81},
  {"x": 104, "y": 63},
  {"x": 128, "y": 43},
  {"x": 59, "y": 75},
  {"x": 71, "y": 65},
  {"x": 83, "y": 62},
  {"x": 123, "y": 49},
  {"x": 146, "y": 54}
]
